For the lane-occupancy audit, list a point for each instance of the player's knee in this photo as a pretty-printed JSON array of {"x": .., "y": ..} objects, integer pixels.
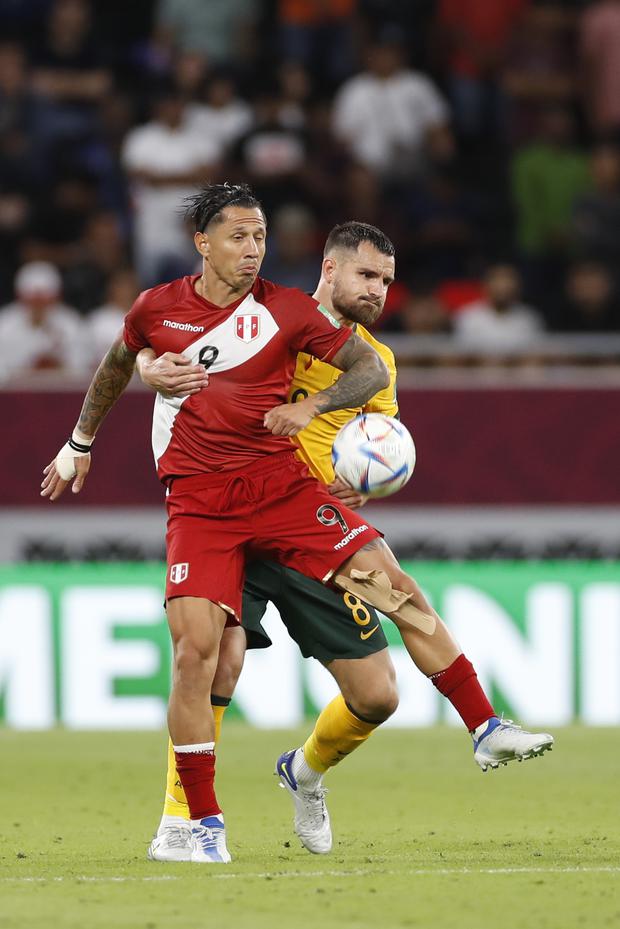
[
  {"x": 377, "y": 703},
  {"x": 194, "y": 665},
  {"x": 402, "y": 581},
  {"x": 227, "y": 674}
]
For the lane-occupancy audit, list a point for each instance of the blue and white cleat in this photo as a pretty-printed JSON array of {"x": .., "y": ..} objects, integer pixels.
[
  {"x": 209, "y": 841},
  {"x": 498, "y": 741},
  {"x": 311, "y": 822}
]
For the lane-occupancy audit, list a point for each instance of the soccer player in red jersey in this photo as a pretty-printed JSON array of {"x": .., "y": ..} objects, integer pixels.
[{"x": 234, "y": 485}]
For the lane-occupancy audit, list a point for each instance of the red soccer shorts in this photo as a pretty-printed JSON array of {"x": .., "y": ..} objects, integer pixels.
[{"x": 271, "y": 510}]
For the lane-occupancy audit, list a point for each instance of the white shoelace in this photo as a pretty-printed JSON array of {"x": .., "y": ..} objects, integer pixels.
[
  {"x": 177, "y": 836},
  {"x": 207, "y": 836},
  {"x": 316, "y": 799}
]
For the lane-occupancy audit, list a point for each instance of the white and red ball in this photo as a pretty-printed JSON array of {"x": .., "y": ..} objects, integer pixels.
[{"x": 374, "y": 454}]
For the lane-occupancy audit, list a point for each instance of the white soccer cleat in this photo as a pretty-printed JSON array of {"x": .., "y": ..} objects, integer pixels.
[
  {"x": 208, "y": 843},
  {"x": 502, "y": 741},
  {"x": 173, "y": 842},
  {"x": 311, "y": 817}
]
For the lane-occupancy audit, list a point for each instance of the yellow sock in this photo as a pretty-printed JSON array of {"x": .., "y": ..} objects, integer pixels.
[
  {"x": 175, "y": 801},
  {"x": 337, "y": 733},
  {"x": 218, "y": 716}
]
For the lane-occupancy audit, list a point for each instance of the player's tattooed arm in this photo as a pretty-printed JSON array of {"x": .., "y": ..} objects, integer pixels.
[
  {"x": 109, "y": 382},
  {"x": 72, "y": 463},
  {"x": 365, "y": 374}
]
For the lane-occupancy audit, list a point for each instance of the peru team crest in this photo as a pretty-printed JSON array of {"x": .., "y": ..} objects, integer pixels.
[
  {"x": 178, "y": 572},
  {"x": 247, "y": 327}
]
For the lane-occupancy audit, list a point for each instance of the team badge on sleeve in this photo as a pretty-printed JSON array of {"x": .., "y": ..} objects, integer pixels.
[
  {"x": 178, "y": 572},
  {"x": 247, "y": 327}
]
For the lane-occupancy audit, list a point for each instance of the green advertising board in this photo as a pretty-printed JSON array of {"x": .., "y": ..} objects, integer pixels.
[{"x": 86, "y": 646}]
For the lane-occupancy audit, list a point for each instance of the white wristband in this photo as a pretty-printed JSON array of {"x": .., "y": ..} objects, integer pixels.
[{"x": 76, "y": 447}]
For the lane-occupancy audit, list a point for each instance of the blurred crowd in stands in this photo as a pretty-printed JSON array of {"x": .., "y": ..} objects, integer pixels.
[{"x": 483, "y": 136}]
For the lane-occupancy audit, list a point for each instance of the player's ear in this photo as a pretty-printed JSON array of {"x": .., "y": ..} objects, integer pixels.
[
  {"x": 201, "y": 241},
  {"x": 329, "y": 268}
]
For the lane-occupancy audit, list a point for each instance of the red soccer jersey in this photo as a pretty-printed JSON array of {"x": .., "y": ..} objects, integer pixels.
[{"x": 249, "y": 348}]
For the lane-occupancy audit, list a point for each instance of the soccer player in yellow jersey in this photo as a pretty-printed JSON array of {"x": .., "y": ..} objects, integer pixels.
[{"x": 339, "y": 630}]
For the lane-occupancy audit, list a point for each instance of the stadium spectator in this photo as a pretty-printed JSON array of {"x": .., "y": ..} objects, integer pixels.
[
  {"x": 100, "y": 252},
  {"x": 68, "y": 70},
  {"x": 596, "y": 215},
  {"x": 106, "y": 321},
  {"x": 588, "y": 302},
  {"x": 37, "y": 330},
  {"x": 189, "y": 73},
  {"x": 271, "y": 156},
  {"x": 599, "y": 41},
  {"x": 164, "y": 160},
  {"x": 220, "y": 114},
  {"x": 547, "y": 175},
  {"x": 499, "y": 322},
  {"x": 391, "y": 117},
  {"x": 59, "y": 217},
  {"x": 293, "y": 256}
]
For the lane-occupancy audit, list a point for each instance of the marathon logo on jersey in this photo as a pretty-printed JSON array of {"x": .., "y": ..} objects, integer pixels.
[
  {"x": 179, "y": 572},
  {"x": 184, "y": 327},
  {"x": 247, "y": 327},
  {"x": 349, "y": 538}
]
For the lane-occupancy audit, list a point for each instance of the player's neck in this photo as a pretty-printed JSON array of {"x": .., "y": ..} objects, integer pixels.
[
  {"x": 322, "y": 296},
  {"x": 216, "y": 291}
]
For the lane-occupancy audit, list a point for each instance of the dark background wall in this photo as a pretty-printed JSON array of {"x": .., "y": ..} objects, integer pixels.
[{"x": 475, "y": 447}]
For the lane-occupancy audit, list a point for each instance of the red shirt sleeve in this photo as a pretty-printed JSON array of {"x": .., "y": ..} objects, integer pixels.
[
  {"x": 319, "y": 334},
  {"x": 133, "y": 333}
]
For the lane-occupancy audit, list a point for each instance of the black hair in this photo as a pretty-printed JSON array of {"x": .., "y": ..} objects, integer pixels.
[
  {"x": 210, "y": 201},
  {"x": 351, "y": 235}
]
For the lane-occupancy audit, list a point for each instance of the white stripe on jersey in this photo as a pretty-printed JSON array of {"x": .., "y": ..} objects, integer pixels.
[{"x": 232, "y": 350}]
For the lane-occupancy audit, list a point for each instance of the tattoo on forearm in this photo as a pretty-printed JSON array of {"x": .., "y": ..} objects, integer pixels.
[
  {"x": 372, "y": 545},
  {"x": 364, "y": 376},
  {"x": 110, "y": 380}
]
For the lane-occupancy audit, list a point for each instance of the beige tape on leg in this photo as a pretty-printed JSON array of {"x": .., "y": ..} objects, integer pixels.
[{"x": 375, "y": 588}]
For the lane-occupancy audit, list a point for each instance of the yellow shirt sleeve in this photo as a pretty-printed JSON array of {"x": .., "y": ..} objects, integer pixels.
[
  {"x": 314, "y": 443},
  {"x": 385, "y": 401}
]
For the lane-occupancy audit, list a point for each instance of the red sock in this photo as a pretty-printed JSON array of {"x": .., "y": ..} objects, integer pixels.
[
  {"x": 460, "y": 685},
  {"x": 197, "y": 773}
]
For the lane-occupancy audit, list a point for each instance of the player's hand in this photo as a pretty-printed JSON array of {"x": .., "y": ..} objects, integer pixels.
[
  {"x": 290, "y": 418},
  {"x": 53, "y": 484},
  {"x": 171, "y": 375},
  {"x": 351, "y": 498}
]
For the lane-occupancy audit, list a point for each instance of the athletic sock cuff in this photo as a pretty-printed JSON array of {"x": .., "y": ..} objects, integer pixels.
[
  {"x": 363, "y": 719},
  {"x": 199, "y": 748},
  {"x": 453, "y": 676},
  {"x": 220, "y": 701}
]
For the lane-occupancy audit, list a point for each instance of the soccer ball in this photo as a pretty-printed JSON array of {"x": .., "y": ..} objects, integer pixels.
[{"x": 374, "y": 454}]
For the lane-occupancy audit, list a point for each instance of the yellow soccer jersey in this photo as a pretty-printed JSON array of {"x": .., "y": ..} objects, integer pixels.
[{"x": 311, "y": 376}]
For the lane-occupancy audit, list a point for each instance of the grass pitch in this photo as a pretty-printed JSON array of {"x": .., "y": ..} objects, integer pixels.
[{"x": 422, "y": 837}]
